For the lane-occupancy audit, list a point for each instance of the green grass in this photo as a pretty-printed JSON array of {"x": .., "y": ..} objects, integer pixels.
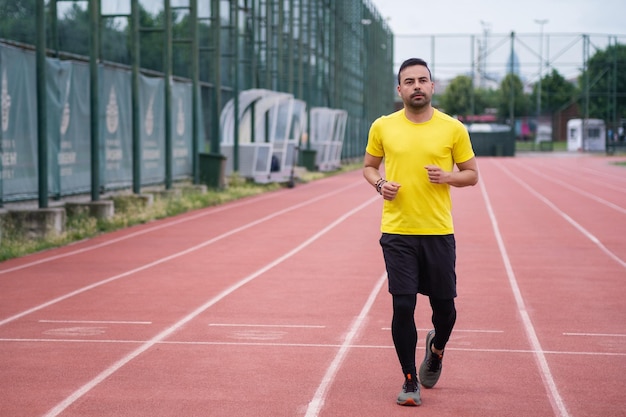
[
  {"x": 130, "y": 212},
  {"x": 531, "y": 146}
]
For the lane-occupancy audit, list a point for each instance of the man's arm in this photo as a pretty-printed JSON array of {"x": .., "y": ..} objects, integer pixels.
[
  {"x": 371, "y": 172},
  {"x": 465, "y": 176},
  {"x": 371, "y": 168}
]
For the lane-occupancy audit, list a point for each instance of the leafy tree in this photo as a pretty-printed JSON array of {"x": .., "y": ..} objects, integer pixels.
[
  {"x": 17, "y": 21},
  {"x": 151, "y": 41},
  {"x": 606, "y": 75},
  {"x": 457, "y": 99},
  {"x": 512, "y": 89},
  {"x": 74, "y": 31},
  {"x": 485, "y": 98},
  {"x": 556, "y": 92}
]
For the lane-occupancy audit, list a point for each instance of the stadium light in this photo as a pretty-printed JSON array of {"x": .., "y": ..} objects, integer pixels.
[{"x": 540, "y": 22}]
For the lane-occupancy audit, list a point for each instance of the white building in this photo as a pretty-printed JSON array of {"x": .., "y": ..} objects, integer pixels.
[{"x": 586, "y": 135}]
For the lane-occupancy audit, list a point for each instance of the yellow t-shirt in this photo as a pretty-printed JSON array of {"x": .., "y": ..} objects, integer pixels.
[{"x": 420, "y": 208}]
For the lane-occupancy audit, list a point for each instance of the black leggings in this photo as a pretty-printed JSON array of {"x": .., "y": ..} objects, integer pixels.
[{"x": 403, "y": 329}]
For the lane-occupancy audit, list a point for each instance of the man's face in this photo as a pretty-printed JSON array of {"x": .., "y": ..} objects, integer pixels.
[{"x": 416, "y": 89}]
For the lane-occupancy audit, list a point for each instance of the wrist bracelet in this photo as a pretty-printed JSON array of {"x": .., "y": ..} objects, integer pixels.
[{"x": 379, "y": 185}]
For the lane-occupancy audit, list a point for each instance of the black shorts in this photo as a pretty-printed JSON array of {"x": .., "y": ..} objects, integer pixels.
[{"x": 422, "y": 264}]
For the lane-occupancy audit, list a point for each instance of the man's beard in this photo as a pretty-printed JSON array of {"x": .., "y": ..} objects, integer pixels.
[{"x": 418, "y": 105}]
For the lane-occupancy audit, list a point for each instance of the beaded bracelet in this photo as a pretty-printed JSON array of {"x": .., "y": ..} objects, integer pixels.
[{"x": 379, "y": 185}]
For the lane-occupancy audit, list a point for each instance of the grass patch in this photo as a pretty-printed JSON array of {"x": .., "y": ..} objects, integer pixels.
[
  {"x": 130, "y": 212},
  {"x": 531, "y": 146}
]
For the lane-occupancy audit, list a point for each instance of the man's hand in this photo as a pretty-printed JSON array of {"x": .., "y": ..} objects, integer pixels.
[
  {"x": 437, "y": 175},
  {"x": 389, "y": 190}
]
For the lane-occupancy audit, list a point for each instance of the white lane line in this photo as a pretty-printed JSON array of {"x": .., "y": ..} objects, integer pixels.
[
  {"x": 305, "y": 345},
  {"x": 607, "y": 182},
  {"x": 95, "y": 322},
  {"x": 59, "y": 408},
  {"x": 291, "y": 326},
  {"x": 170, "y": 257},
  {"x": 608, "y": 178},
  {"x": 315, "y": 405},
  {"x": 553, "y": 393},
  {"x": 455, "y": 330},
  {"x": 595, "y": 334},
  {"x": 174, "y": 222},
  {"x": 571, "y": 221},
  {"x": 208, "y": 211},
  {"x": 576, "y": 190}
]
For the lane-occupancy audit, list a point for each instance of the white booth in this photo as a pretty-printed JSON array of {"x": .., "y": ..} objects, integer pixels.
[
  {"x": 544, "y": 133},
  {"x": 586, "y": 135},
  {"x": 327, "y": 132},
  {"x": 270, "y": 126}
]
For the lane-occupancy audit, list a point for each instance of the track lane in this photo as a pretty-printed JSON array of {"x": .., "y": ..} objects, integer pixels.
[
  {"x": 279, "y": 351},
  {"x": 602, "y": 216},
  {"x": 77, "y": 303},
  {"x": 252, "y": 399},
  {"x": 568, "y": 281},
  {"x": 140, "y": 250},
  {"x": 489, "y": 364}
]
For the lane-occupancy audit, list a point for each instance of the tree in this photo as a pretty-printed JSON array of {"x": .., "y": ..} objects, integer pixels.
[
  {"x": 512, "y": 92},
  {"x": 606, "y": 77},
  {"x": 17, "y": 20},
  {"x": 485, "y": 98},
  {"x": 556, "y": 92},
  {"x": 457, "y": 99},
  {"x": 74, "y": 30}
]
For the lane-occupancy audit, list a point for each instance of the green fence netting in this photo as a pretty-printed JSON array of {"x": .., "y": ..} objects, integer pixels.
[{"x": 68, "y": 127}]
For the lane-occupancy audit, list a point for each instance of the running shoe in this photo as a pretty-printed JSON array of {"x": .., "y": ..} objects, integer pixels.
[
  {"x": 410, "y": 394},
  {"x": 430, "y": 369}
]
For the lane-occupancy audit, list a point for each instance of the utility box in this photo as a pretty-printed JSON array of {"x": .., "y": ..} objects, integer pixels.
[
  {"x": 492, "y": 140},
  {"x": 308, "y": 159},
  {"x": 212, "y": 167},
  {"x": 586, "y": 135}
]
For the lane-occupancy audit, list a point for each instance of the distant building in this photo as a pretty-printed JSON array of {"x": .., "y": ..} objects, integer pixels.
[{"x": 513, "y": 62}]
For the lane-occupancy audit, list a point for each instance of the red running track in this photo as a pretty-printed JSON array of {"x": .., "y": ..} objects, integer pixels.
[{"x": 277, "y": 305}]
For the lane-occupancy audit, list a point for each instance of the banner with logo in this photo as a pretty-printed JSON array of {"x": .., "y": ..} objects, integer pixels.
[
  {"x": 116, "y": 131},
  {"x": 181, "y": 130},
  {"x": 68, "y": 115},
  {"x": 18, "y": 132},
  {"x": 152, "y": 110},
  {"x": 69, "y": 127}
]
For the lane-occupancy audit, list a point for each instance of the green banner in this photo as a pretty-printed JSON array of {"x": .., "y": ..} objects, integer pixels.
[
  {"x": 18, "y": 142},
  {"x": 151, "y": 109},
  {"x": 68, "y": 134},
  {"x": 181, "y": 130},
  {"x": 68, "y": 130},
  {"x": 116, "y": 128}
]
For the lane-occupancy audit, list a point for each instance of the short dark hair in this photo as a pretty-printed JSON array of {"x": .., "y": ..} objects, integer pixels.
[{"x": 411, "y": 62}]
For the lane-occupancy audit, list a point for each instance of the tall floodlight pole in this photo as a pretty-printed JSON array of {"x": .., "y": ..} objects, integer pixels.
[
  {"x": 482, "y": 63},
  {"x": 540, "y": 22}
]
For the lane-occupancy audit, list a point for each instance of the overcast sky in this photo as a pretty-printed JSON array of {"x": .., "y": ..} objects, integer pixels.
[
  {"x": 504, "y": 16},
  {"x": 414, "y": 24},
  {"x": 462, "y": 16}
]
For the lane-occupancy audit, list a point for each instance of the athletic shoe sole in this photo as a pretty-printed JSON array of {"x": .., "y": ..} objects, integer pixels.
[{"x": 410, "y": 402}]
